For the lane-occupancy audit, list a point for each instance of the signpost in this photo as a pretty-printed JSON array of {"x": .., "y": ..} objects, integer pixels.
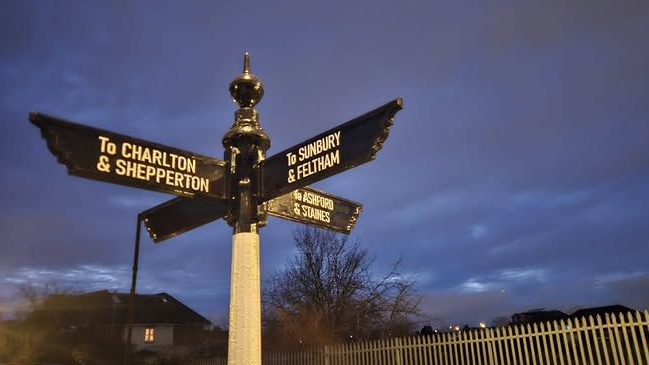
[{"x": 242, "y": 188}]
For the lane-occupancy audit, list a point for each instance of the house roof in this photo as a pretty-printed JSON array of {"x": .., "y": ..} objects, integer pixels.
[
  {"x": 106, "y": 307},
  {"x": 537, "y": 315},
  {"x": 543, "y": 312},
  {"x": 612, "y": 309}
]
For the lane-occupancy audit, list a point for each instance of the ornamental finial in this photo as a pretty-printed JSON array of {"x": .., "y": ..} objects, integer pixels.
[{"x": 246, "y": 89}]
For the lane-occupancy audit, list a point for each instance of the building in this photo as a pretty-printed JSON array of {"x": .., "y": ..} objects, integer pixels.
[
  {"x": 615, "y": 309},
  {"x": 537, "y": 316},
  {"x": 160, "y": 321}
]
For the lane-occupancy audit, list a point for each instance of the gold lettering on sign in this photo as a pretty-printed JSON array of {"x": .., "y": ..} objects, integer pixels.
[
  {"x": 314, "y": 157},
  {"x": 151, "y": 165},
  {"x": 313, "y": 206}
]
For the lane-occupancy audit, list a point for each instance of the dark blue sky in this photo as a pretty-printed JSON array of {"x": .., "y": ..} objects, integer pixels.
[{"x": 517, "y": 175}]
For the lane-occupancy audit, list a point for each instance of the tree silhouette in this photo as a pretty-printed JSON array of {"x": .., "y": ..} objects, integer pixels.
[{"x": 327, "y": 293}]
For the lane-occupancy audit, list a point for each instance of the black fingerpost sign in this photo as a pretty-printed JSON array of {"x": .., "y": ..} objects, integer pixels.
[
  {"x": 314, "y": 207},
  {"x": 180, "y": 215},
  {"x": 110, "y": 157},
  {"x": 336, "y": 150}
]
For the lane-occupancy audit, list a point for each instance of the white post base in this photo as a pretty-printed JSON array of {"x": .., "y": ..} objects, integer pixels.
[{"x": 244, "y": 338}]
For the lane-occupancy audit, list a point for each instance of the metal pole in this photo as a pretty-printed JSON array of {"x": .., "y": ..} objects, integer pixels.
[
  {"x": 245, "y": 145},
  {"x": 131, "y": 297}
]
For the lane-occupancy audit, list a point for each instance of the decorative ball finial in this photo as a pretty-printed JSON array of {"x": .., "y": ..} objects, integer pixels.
[{"x": 246, "y": 89}]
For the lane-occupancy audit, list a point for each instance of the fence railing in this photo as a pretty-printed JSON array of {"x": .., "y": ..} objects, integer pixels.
[{"x": 611, "y": 340}]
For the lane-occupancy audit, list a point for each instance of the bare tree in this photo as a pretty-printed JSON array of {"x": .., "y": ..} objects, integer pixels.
[
  {"x": 33, "y": 295},
  {"x": 327, "y": 293},
  {"x": 30, "y": 339}
]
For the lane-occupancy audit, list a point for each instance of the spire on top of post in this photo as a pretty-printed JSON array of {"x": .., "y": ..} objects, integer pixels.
[
  {"x": 246, "y": 90},
  {"x": 246, "y": 63}
]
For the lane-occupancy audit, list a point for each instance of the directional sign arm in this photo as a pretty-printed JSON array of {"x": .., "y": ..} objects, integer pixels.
[
  {"x": 110, "y": 157},
  {"x": 329, "y": 153},
  {"x": 306, "y": 205},
  {"x": 315, "y": 207},
  {"x": 180, "y": 215}
]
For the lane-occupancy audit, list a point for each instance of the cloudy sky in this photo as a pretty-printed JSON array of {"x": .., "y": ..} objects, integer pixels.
[{"x": 516, "y": 176}]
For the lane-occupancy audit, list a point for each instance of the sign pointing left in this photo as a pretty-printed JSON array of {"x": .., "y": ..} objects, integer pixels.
[{"x": 105, "y": 156}]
